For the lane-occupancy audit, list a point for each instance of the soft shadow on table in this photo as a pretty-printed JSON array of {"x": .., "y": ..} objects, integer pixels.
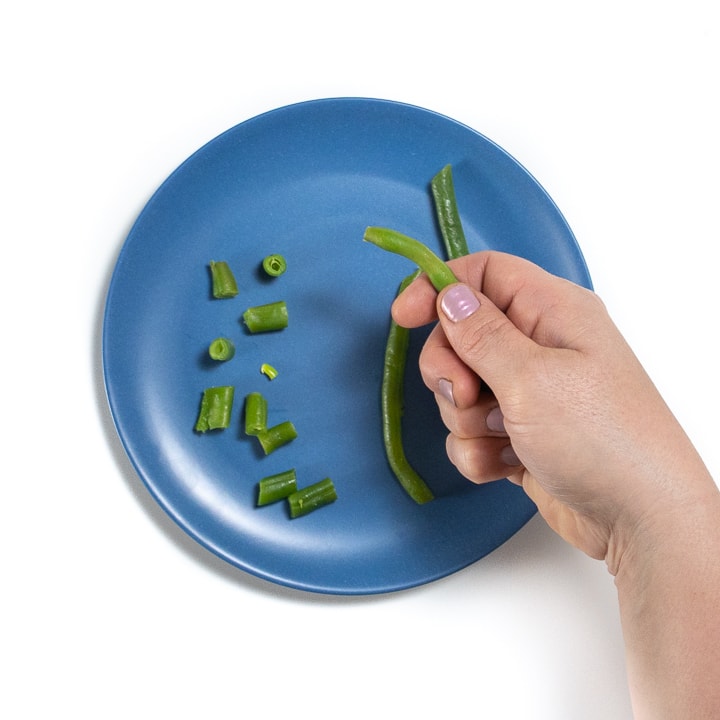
[{"x": 168, "y": 527}]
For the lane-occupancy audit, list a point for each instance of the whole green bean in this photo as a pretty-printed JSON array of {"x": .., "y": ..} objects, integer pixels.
[
  {"x": 391, "y": 395},
  {"x": 311, "y": 498},
  {"x": 439, "y": 274},
  {"x": 448, "y": 216}
]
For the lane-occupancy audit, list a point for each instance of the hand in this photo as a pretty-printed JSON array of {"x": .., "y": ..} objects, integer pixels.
[{"x": 536, "y": 384}]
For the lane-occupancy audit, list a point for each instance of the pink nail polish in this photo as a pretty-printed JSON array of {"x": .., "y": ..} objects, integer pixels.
[
  {"x": 495, "y": 420},
  {"x": 445, "y": 387},
  {"x": 459, "y": 302}
]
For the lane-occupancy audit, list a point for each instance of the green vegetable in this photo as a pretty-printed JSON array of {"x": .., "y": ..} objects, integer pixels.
[
  {"x": 391, "y": 395},
  {"x": 446, "y": 211},
  {"x": 264, "y": 318},
  {"x": 439, "y": 274},
  {"x": 274, "y": 265},
  {"x": 215, "y": 408},
  {"x": 256, "y": 412},
  {"x": 274, "y": 437},
  {"x": 311, "y": 498},
  {"x": 223, "y": 280},
  {"x": 269, "y": 371},
  {"x": 221, "y": 349},
  {"x": 276, "y": 487}
]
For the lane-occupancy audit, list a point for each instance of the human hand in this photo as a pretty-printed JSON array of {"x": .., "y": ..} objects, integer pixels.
[{"x": 564, "y": 408}]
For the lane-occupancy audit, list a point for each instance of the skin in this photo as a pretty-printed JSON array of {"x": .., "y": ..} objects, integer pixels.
[{"x": 566, "y": 410}]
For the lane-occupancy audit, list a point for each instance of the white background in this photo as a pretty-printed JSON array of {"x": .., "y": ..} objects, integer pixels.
[{"x": 108, "y": 610}]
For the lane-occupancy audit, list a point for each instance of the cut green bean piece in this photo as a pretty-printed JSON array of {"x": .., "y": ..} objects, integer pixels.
[
  {"x": 448, "y": 216},
  {"x": 438, "y": 272},
  {"x": 311, "y": 498},
  {"x": 256, "y": 413},
  {"x": 274, "y": 265},
  {"x": 392, "y": 409},
  {"x": 276, "y": 487},
  {"x": 223, "y": 280},
  {"x": 265, "y": 318},
  {"x": 269, "y": 371},
  {"x": 276, "y": 436},
  {"x": 215, "y": 408},
  {"x": 221, "y": 349}
]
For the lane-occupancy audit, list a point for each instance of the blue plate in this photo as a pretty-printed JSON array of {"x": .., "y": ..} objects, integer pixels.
[{"x": 305, "y": 181}]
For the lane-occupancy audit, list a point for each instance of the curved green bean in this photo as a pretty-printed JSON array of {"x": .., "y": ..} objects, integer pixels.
[
  {"x": 391, "y": 395},
  {"x": 439, "y": 274},
  {"x": 448, "y": 216}
]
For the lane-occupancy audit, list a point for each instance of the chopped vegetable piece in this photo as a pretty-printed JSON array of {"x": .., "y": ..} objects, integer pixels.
[
  {"x": 448, "y": 216},
  {"x": 269, "y": 371},
  {"x": 391, "y": 395},
  {"x": 274, "y": 437},
  {"x": 223, "y": 280},
  {"x": 438, "y": 272},
  {"x": 265, "y": 318},
  {"x": 221, "y": 349},
  {"x": 256, "y": 412},
  {"x": 312, "y": 497},
  {"x": 274, "y": 265},
  {"x": 215, "y": 408},
  {"x": 276, "y": 487}
]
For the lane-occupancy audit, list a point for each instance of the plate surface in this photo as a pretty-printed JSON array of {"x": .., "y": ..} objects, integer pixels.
[{"x": 305, "y": 180}]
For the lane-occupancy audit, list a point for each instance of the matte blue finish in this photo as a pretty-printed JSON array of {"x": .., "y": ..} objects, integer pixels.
[{"x": 305, "y": 181}]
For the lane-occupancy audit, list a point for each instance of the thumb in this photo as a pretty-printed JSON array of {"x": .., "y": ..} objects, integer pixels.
[{"x": 483, "y": 337}]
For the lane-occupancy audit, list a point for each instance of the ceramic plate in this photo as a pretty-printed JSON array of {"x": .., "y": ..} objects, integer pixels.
[{"x": 304, "y": 181}]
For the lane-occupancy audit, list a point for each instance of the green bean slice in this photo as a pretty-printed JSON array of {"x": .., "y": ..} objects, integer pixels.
[
  {"x": 224, "y": 284},
  {"x": 276, "y": 487},
  {"x": 311, "y": 498},
  {"x": 215, "y": 408}
]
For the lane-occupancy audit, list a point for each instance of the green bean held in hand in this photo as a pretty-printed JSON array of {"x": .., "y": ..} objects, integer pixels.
[{"x": 439, "y": 274}]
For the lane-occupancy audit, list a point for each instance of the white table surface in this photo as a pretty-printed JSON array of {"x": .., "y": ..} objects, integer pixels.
[{"x": 108, "y": 609}]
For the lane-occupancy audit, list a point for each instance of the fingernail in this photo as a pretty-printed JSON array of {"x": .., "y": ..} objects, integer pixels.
[
  {"x": 459, "y": 302},
  {"x": 508, "y": 456},
  {"x": 495, "y": 420},
  {"x": 445, "y": 388}
]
